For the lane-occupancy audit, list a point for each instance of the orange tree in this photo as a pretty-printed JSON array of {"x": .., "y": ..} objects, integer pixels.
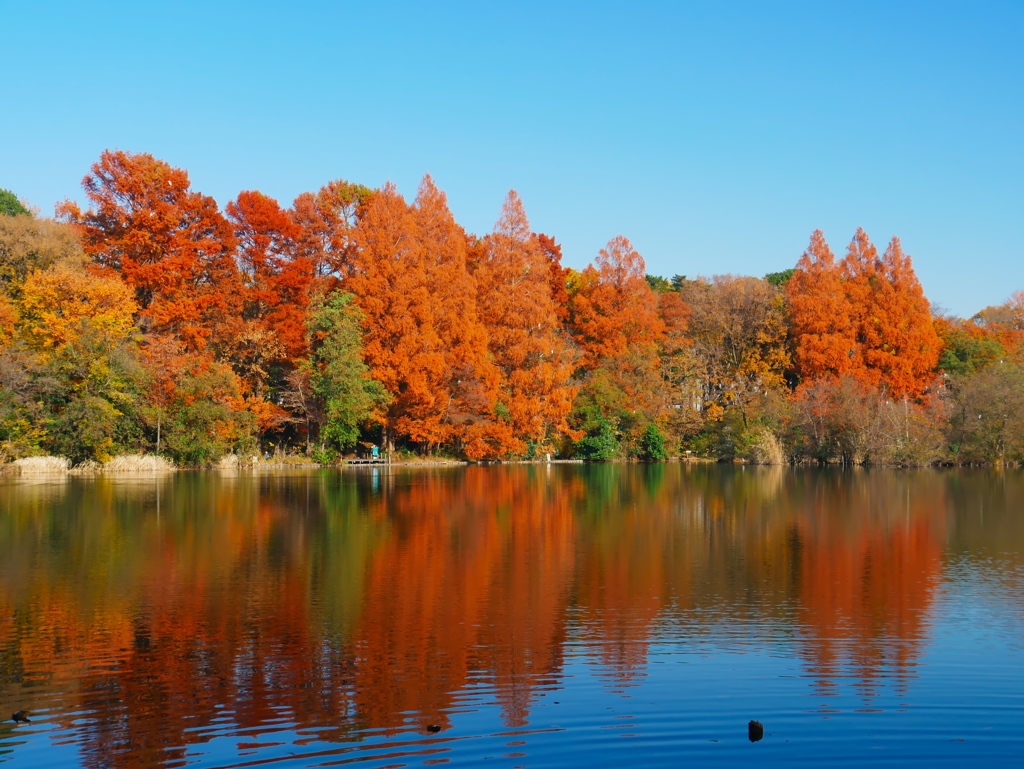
[
  {"x": 400, "y": 342},
  {"x": 524, "y": 335},
  {"x": 468, "y": 378},
  {"x": 168, "y": 242},
  {"x": 821, "y": 321}
]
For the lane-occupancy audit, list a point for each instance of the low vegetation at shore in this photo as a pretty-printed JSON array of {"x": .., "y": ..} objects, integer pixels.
[{"x": 155, "y": 328}]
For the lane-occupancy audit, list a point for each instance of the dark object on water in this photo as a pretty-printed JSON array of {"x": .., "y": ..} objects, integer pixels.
[
  {"x": 433, "y": 728},
  {"x": 755, "y": 731},
  {"x": 21, "y": 716}
]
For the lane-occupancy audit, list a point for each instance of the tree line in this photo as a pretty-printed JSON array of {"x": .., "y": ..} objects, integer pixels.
[{"x": 154, "y": 321}]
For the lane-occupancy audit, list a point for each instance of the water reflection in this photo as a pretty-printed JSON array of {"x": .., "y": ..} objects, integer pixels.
[{"x": 144, "y": 616}]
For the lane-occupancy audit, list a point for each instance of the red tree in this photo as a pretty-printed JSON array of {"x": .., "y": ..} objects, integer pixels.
[
  {"x": 901, "y": 342},
  {"x": 170, "y": 244},
  {"x": 327, "y": 222},
  {"x": 276, "y": 277}
]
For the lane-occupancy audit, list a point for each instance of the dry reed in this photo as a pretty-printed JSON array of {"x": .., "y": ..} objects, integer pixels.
[
  {"x": 29, "y": 466},
  {"x": 767, "y": 450},
  {"x": 137, "y": 463}
]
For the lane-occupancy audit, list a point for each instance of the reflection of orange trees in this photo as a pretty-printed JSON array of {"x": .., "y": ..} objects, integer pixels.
[
  {"x": 470, "y": 589},
  {"x": 867, "y": 579},
  {"x": 157, "y": 625},
  {"x": 389, "y": 598}
]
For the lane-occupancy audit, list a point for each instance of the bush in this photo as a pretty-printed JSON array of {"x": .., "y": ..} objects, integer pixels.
[
  {"x": 652, "y": 444},
  {"x": 599, "y": 444}
]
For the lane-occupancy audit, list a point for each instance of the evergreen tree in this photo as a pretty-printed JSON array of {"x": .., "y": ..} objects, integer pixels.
[
  {"x": 10, "y": 205},
  {"x": 337, "y": 375}
]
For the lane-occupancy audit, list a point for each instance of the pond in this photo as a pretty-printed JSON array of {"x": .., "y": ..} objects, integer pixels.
[{"x": 514, "y": 616}]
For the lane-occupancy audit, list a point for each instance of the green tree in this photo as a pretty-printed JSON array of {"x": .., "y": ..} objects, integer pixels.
[
  {"x": 599, "y": 443},
  {"x": 652, "y": 444},
  {"x": 24, "y": 389},
  {"x": 10, "y": 205},
  {"x": 966, "y": 347},
  {"x": 779, "y": 279},
  {"x": 337, "y": 375},
  {"x": 659, "y": 284},
  {"x": 205, "y": 419}
]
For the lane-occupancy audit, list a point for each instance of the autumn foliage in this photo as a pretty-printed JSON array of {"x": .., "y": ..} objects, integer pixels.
[
  {"x": 152, "y": 320},
  {"x": 170, "y": 244},
  {"x": 866, "y": 316}
]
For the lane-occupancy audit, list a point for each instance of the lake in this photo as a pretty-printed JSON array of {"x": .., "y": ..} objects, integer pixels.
[{"x": 514, "y": 616}]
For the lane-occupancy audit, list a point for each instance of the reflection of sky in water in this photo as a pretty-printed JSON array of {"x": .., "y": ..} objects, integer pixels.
[{"x": 598, "y": 616}]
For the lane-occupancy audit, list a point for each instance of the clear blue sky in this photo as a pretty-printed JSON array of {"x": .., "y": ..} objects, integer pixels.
[{"x": 715, "y": 135}]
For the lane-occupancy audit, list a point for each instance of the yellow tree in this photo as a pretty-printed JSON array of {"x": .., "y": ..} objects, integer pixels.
[
  {"x": 8, "y": 321},
  {"x": 60, "y": 304},
  {"x": 80, "y": 323}
]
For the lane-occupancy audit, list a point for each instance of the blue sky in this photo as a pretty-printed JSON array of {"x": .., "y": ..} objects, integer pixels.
[{"x": 715, "y": 135}]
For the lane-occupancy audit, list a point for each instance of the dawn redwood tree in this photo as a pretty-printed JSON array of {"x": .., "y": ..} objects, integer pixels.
[
  {"x": 858, "y": 270},
  {"x": 169, "y": 243},
  {"x": 901, "y": 341},
  {"x": 615, "y": 312},
  {"x": 401, "y": 345},
  {"x": 469, "y": 378},
  {"x": 525, "y": 340},
  {"x": 559, "y": 274},
  {"x": 898, "y": 345},
  {"x": 821, "y": 315}
]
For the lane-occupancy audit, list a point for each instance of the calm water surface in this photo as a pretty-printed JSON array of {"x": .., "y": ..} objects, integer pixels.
[{"x": 524, "y": 616}]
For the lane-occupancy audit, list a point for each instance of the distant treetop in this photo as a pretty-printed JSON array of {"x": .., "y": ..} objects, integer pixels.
[
  {"x": 10, "y": 205},
  {"x": 779, "y": 279}
]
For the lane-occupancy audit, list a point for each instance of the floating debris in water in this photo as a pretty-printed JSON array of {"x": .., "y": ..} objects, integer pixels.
[
  {"x": 21, "y": 716},
  {"x": 433, "y": 728},
  {"x": 755, "y": 731}
]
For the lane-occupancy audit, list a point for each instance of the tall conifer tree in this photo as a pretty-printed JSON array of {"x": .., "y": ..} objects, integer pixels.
[
  {"x": 901, "y": 341},
  {"x": 525, "y": 340},
  {"x": 616, "y": 312},
  {"x": 401, "y": 345},
  {"x": 469, "y": 377},
  {"x": 820, "y": 313}
]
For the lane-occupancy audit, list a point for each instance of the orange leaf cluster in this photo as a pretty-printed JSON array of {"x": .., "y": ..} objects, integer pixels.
[{"x": 865, "y": 316}]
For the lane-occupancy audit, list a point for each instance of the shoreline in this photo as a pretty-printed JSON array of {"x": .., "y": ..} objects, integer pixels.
[{"x": 151, "y": 464}]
